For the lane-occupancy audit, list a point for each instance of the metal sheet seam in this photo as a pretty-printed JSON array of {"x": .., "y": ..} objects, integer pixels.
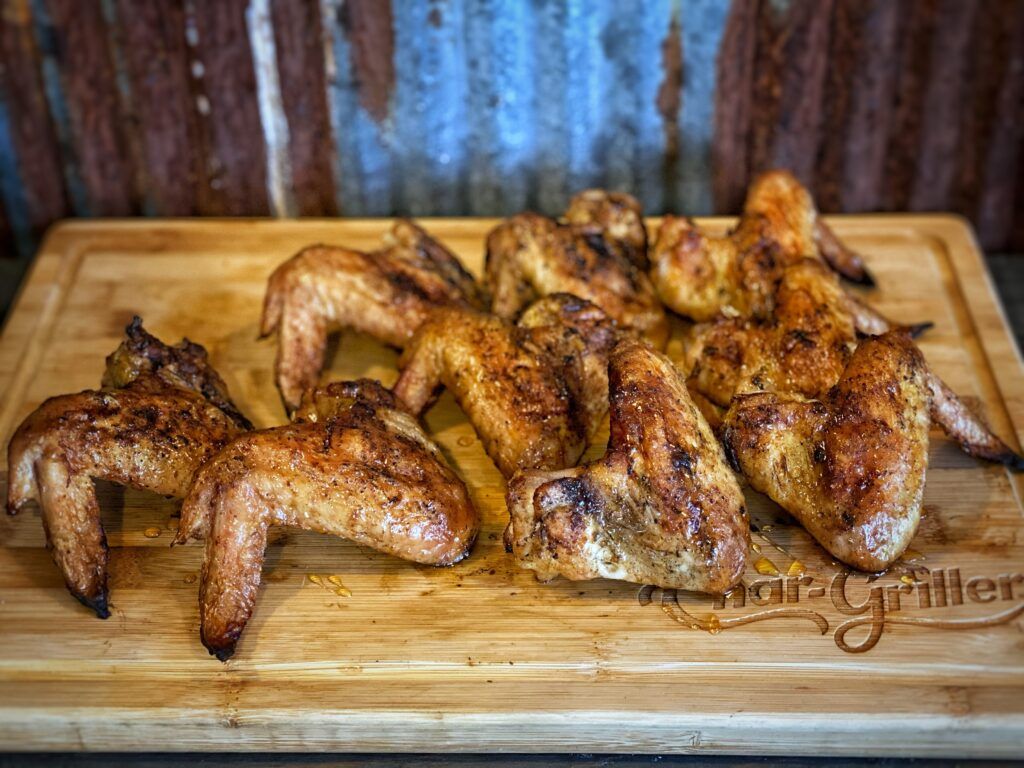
[{"x": 272, "y": 115}]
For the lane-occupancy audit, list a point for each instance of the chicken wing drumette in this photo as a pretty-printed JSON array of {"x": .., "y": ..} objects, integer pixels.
[
  {"x": 387, "y": 294},
  {"x": 353, "y": 464},
  {"x": 804, "y": 349},
  {"x": 849, "y": 467},
  {"x": 598, "y": 255},
  {"x": 162, "y": 412},
  {"x": 535, "y": 392},
  {"x": 662, "y": 507}
]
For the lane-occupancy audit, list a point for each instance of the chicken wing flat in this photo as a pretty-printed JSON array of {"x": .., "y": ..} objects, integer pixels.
[
  {"x": 162, "y": 412},
  {"x": 662, "y": 507},
  {"x": 598, "y": 255},
  {"x": 794, "y": 223},
  {"x": 387, "y": 294},
  {"x": 802, "y": 349},
  {"x": 353, "y": 464},
  {"x": 703, "y": 277},
  {"x": 851, "y": 466},
  {"x": 535, "y": 392}
]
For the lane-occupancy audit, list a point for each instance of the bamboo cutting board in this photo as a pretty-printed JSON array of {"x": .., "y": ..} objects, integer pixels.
[{"x": 926, "y": 659}]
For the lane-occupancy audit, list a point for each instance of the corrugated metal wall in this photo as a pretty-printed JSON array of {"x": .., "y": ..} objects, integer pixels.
[{"x": 366, "y": 107}]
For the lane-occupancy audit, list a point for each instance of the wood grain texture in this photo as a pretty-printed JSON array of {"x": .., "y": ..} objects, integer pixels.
[{"x": 481, "y": 656}]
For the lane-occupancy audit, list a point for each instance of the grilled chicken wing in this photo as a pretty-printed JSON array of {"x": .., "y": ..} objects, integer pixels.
[
  {"x": 661, "y": 507},
  {"x": 851, "y": 466},
  {"x": 703, "y": 277},
  {"x": 162, "y": 412},
  {"x": 598, "y": 255},
  {"x": 387, "y": 294},
  {"x": 535, "y": 392},
  {"x": 794, "y": 223},
  {"x": 615, "y": 220},
  {"x": 804, "y": 350},
  {"x": 353, "y": 464}
]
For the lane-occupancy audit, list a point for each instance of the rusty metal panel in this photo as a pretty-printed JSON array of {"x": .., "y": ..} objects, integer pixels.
[{"x": 378, "y": 107}]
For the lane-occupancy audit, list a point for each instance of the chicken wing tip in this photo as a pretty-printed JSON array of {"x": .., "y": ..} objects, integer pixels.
[
  {"x": 223, "y": 654},
  {"x": 97, "y": 604},
  {"x": 859, "y": 275},
  {"x": 1011, "y": 459},
  {"x": 917, "y": 329}
]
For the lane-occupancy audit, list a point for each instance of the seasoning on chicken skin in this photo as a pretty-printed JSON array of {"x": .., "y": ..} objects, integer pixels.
[
  {"x": 535, "y": 392},
  {"x": 598, "y": 255},
  {"x": 704, "y": 277},
  {"x": 387, "y": 294},
  {"x": 613, "y": 217},
  {"x": 804, "y": 349},
  {"x": 162, "y": 412},
  {"x": 794, "y": 222},
  {"x": 352, "y": 464},
  {"x": 851, "y": 466},
  {"x": 661, "y": 507}
]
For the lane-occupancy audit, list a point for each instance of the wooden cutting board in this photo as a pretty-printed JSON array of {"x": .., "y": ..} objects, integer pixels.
[{"x": 926, "y": 659}]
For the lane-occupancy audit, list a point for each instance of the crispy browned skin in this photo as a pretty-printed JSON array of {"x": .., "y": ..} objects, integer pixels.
[
  {"x": 387, "y": 294},
  {"x": 804, "y": 349},
  {"x": 703, "y": 277},
  {"x": 353, "y": 464},
  {"x": 661, "y": 507},
  {"x": 596, "y": 256},
  {"x": 616, "y": 218},
  {"x": 162, "y": 412},
  {"x": 851, "y": 466},
  {"x": 794, "y": 222},
  {"x": 535, "y": 392}
]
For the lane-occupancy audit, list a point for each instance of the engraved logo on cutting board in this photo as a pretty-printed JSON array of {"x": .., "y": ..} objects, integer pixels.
[{"x": 929, "y": 598}]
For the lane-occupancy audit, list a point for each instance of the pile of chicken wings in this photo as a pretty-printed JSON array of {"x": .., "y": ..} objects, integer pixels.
[{"x": 789, "y": 381}]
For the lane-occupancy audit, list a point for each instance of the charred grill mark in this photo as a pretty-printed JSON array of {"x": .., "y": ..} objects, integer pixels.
[{"x": 682, "y": 460}]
